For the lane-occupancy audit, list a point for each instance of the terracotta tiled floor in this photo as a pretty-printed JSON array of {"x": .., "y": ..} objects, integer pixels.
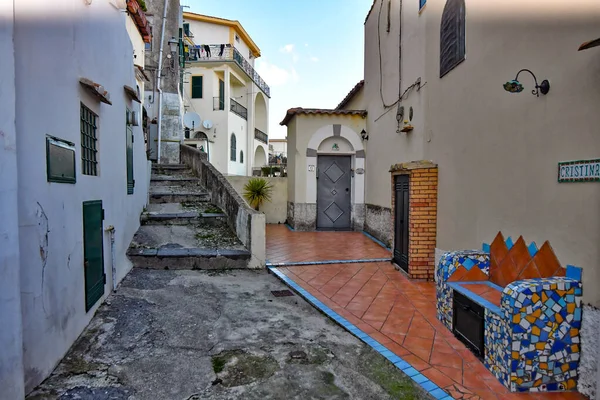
[
  {"x": 284, "y": 245},
  {"x": 397, "y": 312}
]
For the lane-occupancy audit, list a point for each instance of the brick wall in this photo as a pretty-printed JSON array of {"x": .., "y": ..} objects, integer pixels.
[{"x": 422, "y": 216}]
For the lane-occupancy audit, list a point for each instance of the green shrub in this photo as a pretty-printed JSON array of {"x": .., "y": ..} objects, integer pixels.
[
  {"x": 142, "y": 4},
  {"x": 257, "y": 191}
]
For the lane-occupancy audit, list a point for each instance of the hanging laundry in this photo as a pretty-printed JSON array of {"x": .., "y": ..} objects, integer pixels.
[
  {"x": 207, "y": 49},
  {"x": 222, "y": 49}
]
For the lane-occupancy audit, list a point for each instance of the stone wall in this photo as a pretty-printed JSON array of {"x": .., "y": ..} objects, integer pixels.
[
  {"x": 377, "y": 223},
  {"x": 247, "y": 223},
  {"x": 589, "y": 371},
  {"x": 276, "y": 209}
]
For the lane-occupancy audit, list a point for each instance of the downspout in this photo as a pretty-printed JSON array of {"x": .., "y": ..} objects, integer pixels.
[
  {"x": 400, "y": 57},
  {"x": 158, "y": 79},
  {"x": 111, "y": 232}
]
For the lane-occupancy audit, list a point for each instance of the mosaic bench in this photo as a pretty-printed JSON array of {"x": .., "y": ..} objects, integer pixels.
[{"x": 520, "y": 309}]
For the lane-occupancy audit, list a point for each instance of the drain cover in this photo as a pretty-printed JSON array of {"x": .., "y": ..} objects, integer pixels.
[{"x": 281, "y": 293}]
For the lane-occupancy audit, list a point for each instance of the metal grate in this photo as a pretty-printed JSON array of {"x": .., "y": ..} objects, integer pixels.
[
  {"x": 281, "y": 293},
  {"x": 89, "y": 142}
]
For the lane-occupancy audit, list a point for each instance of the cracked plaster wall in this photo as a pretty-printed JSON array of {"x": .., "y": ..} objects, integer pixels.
[
  {"x": 11, "y": 356},
  {"x": 73, "y": 40}
]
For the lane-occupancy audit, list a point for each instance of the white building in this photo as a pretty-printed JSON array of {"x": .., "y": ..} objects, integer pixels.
[
  {"x": 72, "y": 164},
  {"x": 222, "y": 86}
]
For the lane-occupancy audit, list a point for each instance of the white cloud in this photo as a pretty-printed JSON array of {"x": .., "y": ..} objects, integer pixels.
[
  {"x": 274, "y": 75},
  {"x": 314, "y": 59},
  {"x": 288, "y": 48}
]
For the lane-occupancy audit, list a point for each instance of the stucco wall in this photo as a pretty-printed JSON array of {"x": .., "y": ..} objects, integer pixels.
[
  {"x": 299, "y": 135},
  {"x": 358, "y": 101},
  {"x": 498, "y": 152},
  {"x": 275, "y": 210},
  {"x": 207, "y": 33},
  {"x": 392, "y": 147},
  {"x": 73, "y": 40},
  {"x": 11, "y": 356}
]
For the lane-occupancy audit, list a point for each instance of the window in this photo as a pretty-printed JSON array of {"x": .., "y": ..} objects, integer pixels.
[
  {"x": 232, "y": 146},
  {"x": 241, "y": 156},
  {"x": 129, "y": 152},
  {"x": 422, "y": 3},
  {"x": 89, "y": 141},
  {"x": 196, "y": 87},
  {"x": 237, "y": 38},
  {"x": 221, "y": 95},
  {"x": 186, "y": 29},
  {"x": 452, "y": 36}
]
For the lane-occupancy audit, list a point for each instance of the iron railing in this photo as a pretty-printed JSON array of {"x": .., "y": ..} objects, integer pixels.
[
  {"x": 224, "y": 52},
  {"x": 238, "y": 109},
  {"x": 261, "y": 136},
  {"x": 218, "y": 103}
]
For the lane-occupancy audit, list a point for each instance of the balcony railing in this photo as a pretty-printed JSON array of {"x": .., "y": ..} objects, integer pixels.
[
  {"x": 261, "y": 136},
  {"x": 218, "y": 103},
  {"x": 238, "y": 109},
  {"x": 224, "y": 52}
]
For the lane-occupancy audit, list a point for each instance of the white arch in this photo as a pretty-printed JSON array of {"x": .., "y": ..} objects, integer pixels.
[{"x": 358, "y": 161}]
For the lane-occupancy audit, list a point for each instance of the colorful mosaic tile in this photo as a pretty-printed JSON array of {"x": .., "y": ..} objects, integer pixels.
[
  {"x": 545, "y": 317},
  {"x": 496, "y": 346},
  {"x": 459, "y": 263},
  {"x": 532, "y": 342}
]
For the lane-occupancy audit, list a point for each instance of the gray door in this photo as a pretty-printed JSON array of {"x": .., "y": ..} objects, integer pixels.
[{"x": 334, "y": 192}]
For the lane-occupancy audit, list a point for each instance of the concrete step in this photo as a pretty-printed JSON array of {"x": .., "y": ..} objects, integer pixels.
[
  {"x": 178, "y": 194},
  {"x": 169, "y": 169},
  {"x": 187, "y": 247},
  {"x": 174, "y": 180},
  {"x": 183, "y": 218}
]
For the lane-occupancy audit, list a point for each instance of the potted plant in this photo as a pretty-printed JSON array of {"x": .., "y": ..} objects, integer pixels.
[{"x": 257, "y": 191}]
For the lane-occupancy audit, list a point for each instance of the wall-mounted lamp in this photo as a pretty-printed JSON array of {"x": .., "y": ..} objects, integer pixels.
[
  {"x": 173, "y": 44},
  {"x": 364, "y": 135},
  {"x": 515, "y": 86}
]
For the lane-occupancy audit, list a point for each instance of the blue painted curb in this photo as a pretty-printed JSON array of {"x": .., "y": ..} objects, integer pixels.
[
  {"x": 379, "y": 242},
  {"x": 297, "y": 263},
  {"x": 404, "y": 366}
]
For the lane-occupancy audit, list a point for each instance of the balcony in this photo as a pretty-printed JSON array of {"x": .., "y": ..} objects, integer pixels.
[
  {"x": 224, "y": 52},
  {"x": 238, "y": 109},
  {"x": 261, "y": 136}
]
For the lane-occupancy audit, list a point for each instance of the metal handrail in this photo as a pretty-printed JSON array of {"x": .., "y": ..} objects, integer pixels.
[
  {"x": 238, "y": 109},
  {"x": 261, "y": 136},
  {"x": 224, "y": 52}
]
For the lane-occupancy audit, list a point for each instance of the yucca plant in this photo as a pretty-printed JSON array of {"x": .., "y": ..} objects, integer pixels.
[{"x": 257, "y": 191}]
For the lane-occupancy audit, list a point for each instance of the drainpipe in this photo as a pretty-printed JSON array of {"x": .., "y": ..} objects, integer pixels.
[
  {"x": 158, "y": 79},
  {"x": 111, "y": 232}
]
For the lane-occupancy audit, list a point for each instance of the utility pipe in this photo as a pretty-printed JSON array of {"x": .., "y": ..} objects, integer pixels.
[
  {"x": 158, "y": 79},
  {"x": 111, "y": 232}
]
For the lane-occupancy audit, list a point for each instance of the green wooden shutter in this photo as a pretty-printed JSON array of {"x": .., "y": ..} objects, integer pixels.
[
  {"x": 129, "y": 150},
  {"x": 196, "y": 87},
  {"x": 221, "y": 95},
  {"x": 93, "y": 249}
]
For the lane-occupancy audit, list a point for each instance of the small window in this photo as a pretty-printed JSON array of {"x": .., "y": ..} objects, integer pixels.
[
  {"x": 237, "y": 38},
  {"x": 452, "y": 36},
  {"x": 196, "y": 87},
  {"x": 233, "y": 148},
  {"x": 241, "y": 156},
  {"x": 89, "y": 141},
  {"x": 186, "y": 29},
  {"x": 422, "y": 4},
  {"x": 60, "y": 160}
]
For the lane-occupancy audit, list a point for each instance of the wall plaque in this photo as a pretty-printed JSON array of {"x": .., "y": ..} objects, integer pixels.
[{"x": 579, "y": 171}]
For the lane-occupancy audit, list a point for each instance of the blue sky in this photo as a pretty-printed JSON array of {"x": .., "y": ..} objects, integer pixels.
[{"x": 312, "y": 50}]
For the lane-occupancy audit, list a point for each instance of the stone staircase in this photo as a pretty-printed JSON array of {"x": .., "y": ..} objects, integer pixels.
[{"x": 181, "y": 229}]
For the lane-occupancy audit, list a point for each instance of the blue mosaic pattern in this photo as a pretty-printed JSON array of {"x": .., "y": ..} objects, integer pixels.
[
  {"x": 448, "y": 264},
  {"x": 404, "y": 366},
  {"x": 496, "y": 346},
  {"x": 544, "y": 317}
]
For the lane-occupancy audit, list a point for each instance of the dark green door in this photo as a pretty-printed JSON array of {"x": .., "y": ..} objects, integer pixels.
[
  {"x": 93, "y": 254},
  {"x": 129, "y": 140},
  {"x": 221, "y": 95}
]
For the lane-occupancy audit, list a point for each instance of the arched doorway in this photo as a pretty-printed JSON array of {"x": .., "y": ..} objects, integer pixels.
[{"x": 260, "y": 158}]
